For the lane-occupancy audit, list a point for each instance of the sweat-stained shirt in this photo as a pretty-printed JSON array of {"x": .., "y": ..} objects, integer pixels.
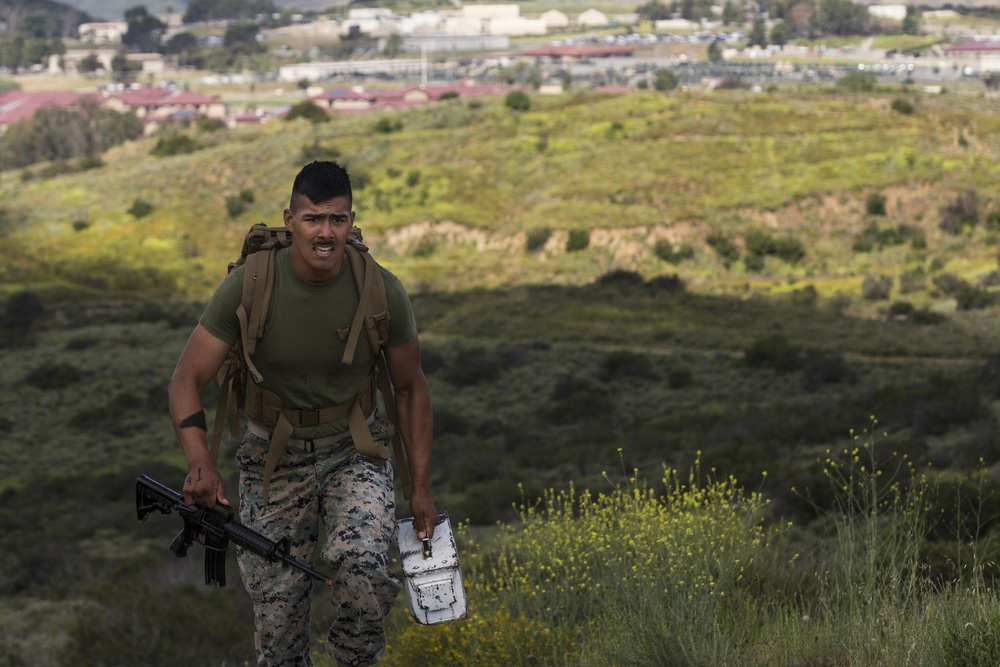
[{"x": 299, "y": 355}]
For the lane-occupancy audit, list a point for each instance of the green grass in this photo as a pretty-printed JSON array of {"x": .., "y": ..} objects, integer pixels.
[{"x": 681, "y": 165}]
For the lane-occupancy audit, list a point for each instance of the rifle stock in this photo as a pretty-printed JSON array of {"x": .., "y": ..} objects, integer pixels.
[{"x": 213, "y": 528}]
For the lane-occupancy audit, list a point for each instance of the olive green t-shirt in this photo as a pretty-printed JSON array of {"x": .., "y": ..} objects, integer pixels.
[{"x": 299, "y": 355}]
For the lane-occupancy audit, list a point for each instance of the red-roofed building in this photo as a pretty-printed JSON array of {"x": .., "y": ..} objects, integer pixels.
[
  {"x": 17, "y": 105},
  {"x": 150, "y": 101},
  {"x": 972, "y": 49},
  {"x": 579, "y": 51},
  {"x": 353, "y": 99}
]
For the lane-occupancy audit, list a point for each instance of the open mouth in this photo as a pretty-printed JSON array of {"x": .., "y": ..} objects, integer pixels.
[{"x": 324, "y": 250}]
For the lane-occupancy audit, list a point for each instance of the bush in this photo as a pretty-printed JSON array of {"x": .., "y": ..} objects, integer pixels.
[
  {"x": 236, "y": 204},
  {"x": 903, "y": 106},
  {"x": 875, "y": 204},
  {"x": 667, "y": 283},
  {"x": 620, "y": 278},
  {"x": 724, "y": 247},
  {"x": 821, "y": 367},
  {"x": 961, "y": 213},
  {"x": 476, "y": 365},
  {"x": 623, "y": 364},
  {"x": 858, "y": 82},
  {"x": 876, "y": 288},
  {"x": 317, "y": 151},
  {"x": 579, "y": 239},
  {"x": 175, "y": 144},
  {"x": 678, "y": 378},
  {"x": 517, "y": 100},
  {"x": 23, "y": 309},
  {"x": 387, "y": 126},
  {"x": 54, "y": 375},
  {"x": 579, "y": 399},
  {"x": 308, "y": 111},
  {"x": 774, "y": 352},
  {"x": 140, "y": 208},
  {"x": 665, "y": 251},
  {"x": 536, "y": 238},
  {"x": 664, "y": 80},
  {"x": 913, "y": 281}
]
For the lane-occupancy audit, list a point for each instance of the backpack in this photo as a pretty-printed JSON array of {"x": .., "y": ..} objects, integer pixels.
[{"x": 239, "y": 380}]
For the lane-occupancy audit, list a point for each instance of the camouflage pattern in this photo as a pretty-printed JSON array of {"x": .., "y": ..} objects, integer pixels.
[{"x": 333, "y": 490}]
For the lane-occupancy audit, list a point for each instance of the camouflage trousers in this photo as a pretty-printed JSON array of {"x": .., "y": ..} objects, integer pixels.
[{"x": 333, "y": 491}]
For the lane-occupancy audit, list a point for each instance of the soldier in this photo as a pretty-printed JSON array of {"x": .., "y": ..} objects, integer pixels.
[{"x": 301, "y": 471}]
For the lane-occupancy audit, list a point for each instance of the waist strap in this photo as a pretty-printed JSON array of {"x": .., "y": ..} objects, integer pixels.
[
  {"x": 304, "y": 444},
  {"x": 266, "y": 408}
]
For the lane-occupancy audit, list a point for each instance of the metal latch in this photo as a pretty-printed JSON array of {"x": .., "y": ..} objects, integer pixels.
[{"x": 426, "y": 550}]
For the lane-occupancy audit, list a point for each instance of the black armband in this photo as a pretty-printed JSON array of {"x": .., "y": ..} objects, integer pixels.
[{"x": 197, "y": 420}]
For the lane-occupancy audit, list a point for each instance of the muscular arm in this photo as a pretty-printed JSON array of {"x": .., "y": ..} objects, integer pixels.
[
  {"x": 199, "y": 362},
  {"x": 415, "y": 417}
]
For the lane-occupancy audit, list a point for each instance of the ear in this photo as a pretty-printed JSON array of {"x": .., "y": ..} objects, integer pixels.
[{"x": 288, "y": 219}]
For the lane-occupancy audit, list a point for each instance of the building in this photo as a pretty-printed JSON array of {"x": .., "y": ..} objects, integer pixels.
[
  {"x": 18, "y": 105},
  {"x": 592, "y": 18},
  {"x": 69, "y": 62},
  {"x": 555, "y": 19},
  {"x": 151, "y": 102},
  {"x": 102, "y": 33},
  {"x": 891, "y": 12}
]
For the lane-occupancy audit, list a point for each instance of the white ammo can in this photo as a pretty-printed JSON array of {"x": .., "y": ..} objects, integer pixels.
[{"x": 431, "y": 573}]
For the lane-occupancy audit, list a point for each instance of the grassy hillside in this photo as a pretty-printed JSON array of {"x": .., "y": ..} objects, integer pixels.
[
  {"x": 470, "y": 184},
  {"x": 603, "y": 283}
]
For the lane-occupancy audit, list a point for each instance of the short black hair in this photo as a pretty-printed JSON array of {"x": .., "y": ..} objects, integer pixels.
[{"x": 321, "y": 181}]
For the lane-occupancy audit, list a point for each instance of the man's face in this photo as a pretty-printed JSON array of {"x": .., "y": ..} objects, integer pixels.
[{"x": 319, "y": 236}]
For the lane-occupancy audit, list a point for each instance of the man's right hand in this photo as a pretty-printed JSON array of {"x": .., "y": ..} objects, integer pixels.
[{"x": 203, "y": 486}]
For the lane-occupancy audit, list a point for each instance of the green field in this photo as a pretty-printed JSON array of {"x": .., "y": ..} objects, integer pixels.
[{"x": 605, "y": 284}]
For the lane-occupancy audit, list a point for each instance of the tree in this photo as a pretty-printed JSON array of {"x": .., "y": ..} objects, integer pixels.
[
  {"x": 145, "y": 31},
  {"x": 758, "y": 33},
  {"x": 654, "y": 10},
  {"x": 732, "y": 13},
  {"x": 123, "y": 70},
  {"x": 393, "y": 45},
  {"x": 842, "y": 17},
  {"x": 12, "y": 53},
  {"x": 517, "y": 100},
  {"x": 209, "y": 10},
  {"x": 63, "y": 133},
  {"x": 309, "y": 111},
  {"x": 779, "y": 33},
  {"x": 714, "y": 52},
  {"x": 37, "y": 25},
  {"x": 89, "y": 64},
  {"x": 664, "y": 79},
  {"x": 911, "y": 22}
]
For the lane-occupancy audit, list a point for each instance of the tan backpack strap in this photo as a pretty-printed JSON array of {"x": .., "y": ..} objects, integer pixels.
[
  {"x": 363, "y": 268},
  {"x": 389, "y": 400},
  {"x": 258, "y": 287},
  {"x": 279, "y": 438}
]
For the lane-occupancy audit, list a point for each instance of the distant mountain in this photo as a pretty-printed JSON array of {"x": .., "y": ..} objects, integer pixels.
[
  {"x": 114, "y": 10},
  {"x": 63, "y": 18}
]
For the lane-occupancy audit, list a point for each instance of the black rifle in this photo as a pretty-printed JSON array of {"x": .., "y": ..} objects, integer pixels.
[{"x": 213, "y": 528}]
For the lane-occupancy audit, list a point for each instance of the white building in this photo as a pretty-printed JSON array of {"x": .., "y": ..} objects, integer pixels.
[
  {"x": 891, "y": 12},
  {"x": 102, "y": 33},
  {"x": 592, "y": 18},
  {"x": 516, "y": 26},
  {"x": 491, "y": 11},
  {"x": 555, "y": 19}
]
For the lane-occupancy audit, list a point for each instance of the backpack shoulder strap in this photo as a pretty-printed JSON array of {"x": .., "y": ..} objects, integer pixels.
[
  {"x": 257, "y": 256},
  {"x": 373, "y": 316}
]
